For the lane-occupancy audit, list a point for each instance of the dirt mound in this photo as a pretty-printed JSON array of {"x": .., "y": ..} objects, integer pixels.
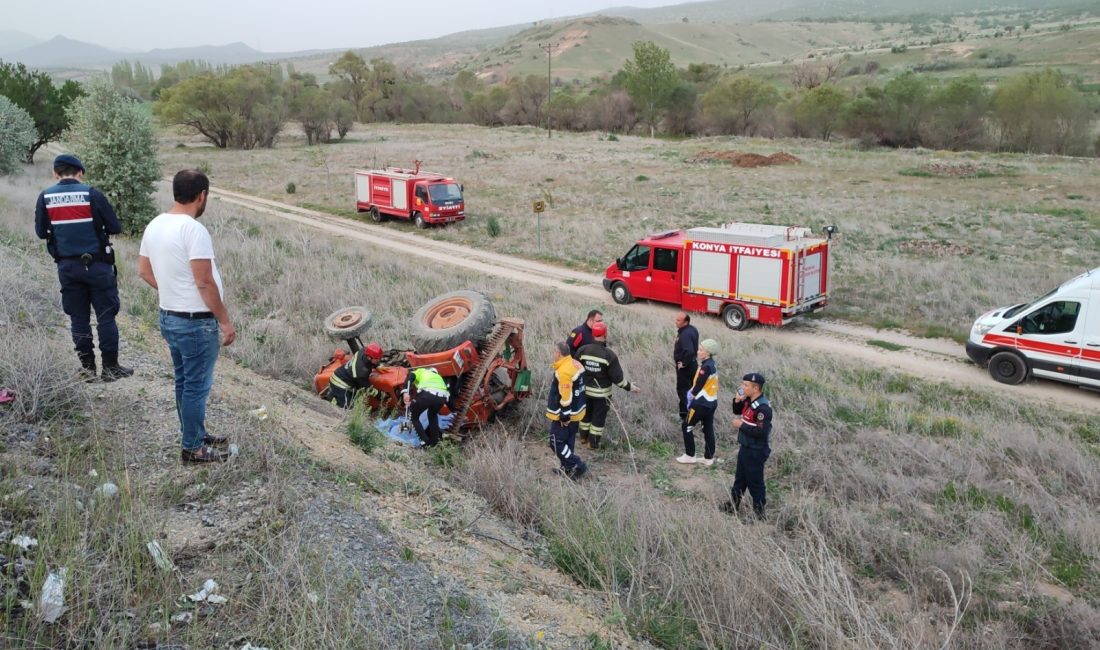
[
  {"x": 744, "y": 159},
  {"x": 932, "y": 248}
]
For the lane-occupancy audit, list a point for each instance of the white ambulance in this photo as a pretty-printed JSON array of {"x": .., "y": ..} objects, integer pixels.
[{"x": 1055, "y": 337}]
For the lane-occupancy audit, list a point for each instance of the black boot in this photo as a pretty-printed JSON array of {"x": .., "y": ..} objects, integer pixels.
[
  {"x": 594, "y": 441},
  {"x": 87, "y": 366},
  {"x": 111, "y": 369}
]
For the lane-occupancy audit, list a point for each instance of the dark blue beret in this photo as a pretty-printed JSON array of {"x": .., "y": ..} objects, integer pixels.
[
  {"x": 68, "y": 159},
  {"x": 755, "y": 378}
]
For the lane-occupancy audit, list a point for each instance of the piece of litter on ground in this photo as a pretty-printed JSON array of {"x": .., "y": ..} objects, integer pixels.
[
  {"x": 234, "y": 450},
  {"x": 183, "y": 617},
  {"x": 51, "y": 605},
  {"x": 260, "y": 413},
  {"x": 24, "y": 542},
  {"x": 209, "y": 587},
  {"x": 248, "y": 646},
  {"x": 312, "y": 597},
  {"x": 6, "y": 395},
  {"x": 159, "y": 556},
  {"x": 215, "y": 599},
  {"x": 107, "y": 490},
  {"x": 92, "y": 473}
]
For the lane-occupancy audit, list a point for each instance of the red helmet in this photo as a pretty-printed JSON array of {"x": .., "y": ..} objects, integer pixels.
[
  {"x": 374, "y": 351},
  {"x": 599, "y": 329}
]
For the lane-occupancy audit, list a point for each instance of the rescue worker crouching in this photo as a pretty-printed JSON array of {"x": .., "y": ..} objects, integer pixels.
[
  {"x": 353, "y": 376},
  {"x": 565, "y": 408},
  {"x": 430, "y": 395},
  {"x": 602, "y": 373}
]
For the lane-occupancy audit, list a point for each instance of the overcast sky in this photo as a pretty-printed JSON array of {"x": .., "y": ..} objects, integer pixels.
[{"x": 279, "y": 26}]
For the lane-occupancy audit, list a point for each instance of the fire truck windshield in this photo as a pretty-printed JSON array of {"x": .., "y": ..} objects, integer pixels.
[{"x": 444, "y": 192}]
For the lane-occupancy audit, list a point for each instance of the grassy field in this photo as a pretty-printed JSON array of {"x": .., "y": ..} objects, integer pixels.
[
  {"x": 903, "y": 513},
  {"x": 930, "y": 239}
]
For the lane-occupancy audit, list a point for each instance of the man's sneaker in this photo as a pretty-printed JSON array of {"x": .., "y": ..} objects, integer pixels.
[
  {"x": 705, "y": 461},
  {"x": 687, "y": 460},
  {"x": 111, "y": 373},
  {"x": 204, "y": 454}
]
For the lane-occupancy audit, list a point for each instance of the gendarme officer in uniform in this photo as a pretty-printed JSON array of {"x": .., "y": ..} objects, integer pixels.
[
  {"x": 76, "y": 221},
  {"x": 754, "y": 428}
]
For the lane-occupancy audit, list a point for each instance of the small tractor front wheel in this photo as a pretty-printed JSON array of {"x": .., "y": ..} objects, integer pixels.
[{"x": 347, "y": 323}]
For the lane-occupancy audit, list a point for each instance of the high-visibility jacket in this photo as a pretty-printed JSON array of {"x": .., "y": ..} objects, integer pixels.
[
  {"x": 566, "y": 391},
  {"x": 704, "y": 390},
  {"x": 427, "y": 380},
  {"x": 601, "y": 370}
]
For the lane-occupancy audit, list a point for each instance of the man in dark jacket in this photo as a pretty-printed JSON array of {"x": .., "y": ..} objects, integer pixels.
[
  {"x": 582, "y": 334},
  {"x": 76, "y": 221},
  {"x": 754, "y": 428},
  {"x": 684, "y": 355},
  {"x": 565, "y": 408},
  {"x": 602, "y": 372},
  {"x": 353, "y": 376}
]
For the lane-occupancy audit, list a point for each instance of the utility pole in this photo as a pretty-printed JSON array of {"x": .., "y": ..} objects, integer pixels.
[{"x": 549, "y": 49}]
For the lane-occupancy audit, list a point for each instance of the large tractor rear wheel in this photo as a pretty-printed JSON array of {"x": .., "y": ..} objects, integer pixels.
[
  {"x": 347, "y": 323},
  {"x": 451, "y": 319}
]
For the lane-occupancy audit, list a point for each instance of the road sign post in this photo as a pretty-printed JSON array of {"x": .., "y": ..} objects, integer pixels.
[{"x": 538, "y": 207}]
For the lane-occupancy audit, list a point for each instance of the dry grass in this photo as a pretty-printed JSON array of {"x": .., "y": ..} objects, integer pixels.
[
  {"x": 1039, "y": 219},
  {"x": 891, "y": 498}
]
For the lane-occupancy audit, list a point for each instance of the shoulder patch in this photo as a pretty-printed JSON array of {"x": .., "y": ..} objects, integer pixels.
[{"x": 759, "y": 417}]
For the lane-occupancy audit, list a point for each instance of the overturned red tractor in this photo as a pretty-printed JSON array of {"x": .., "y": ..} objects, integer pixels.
[{"x": 480, "y": 357}]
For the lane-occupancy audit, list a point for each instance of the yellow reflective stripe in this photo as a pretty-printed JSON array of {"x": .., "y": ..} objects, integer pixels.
[{"x": 339, "y": 383}]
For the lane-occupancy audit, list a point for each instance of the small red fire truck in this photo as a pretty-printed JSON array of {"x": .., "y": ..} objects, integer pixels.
[
  {"x": 741, "y": 271},
  {"x": 423, "y": 197}
]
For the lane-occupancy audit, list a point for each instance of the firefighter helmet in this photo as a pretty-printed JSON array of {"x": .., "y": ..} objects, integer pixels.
[
  {"x": 374, "y": 351},
  {"x": 599, "y": 329}
]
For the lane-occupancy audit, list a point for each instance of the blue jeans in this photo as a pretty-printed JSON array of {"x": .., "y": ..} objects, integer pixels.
[{"x": 194, "y": 345}]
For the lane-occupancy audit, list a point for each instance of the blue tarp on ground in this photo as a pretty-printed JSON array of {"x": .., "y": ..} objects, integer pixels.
[{"x": 391, "y": 428}]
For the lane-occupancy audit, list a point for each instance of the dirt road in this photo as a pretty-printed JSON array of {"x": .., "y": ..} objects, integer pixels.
[{"x": 930, "y": 359}]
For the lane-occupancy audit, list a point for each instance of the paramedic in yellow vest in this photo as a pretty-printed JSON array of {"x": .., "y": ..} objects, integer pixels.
[
  {"x": 702, "y": 402},
  {"x": 425, "y": 390}
]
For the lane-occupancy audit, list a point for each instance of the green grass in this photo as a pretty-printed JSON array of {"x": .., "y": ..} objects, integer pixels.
[{"x": 886, "y": 345}]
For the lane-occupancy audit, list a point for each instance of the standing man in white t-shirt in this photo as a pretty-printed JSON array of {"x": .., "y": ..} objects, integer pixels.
[{"x": 177, "y": 259}]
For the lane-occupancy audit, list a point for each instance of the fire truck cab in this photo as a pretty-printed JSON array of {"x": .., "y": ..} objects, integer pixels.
[
  {"x": 1055, "y": 337},
  {"x": 743, "y": 272}
]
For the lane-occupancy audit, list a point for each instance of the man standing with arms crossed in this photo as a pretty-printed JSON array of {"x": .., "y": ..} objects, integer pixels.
[
  {"x": 177, "y": 259},
  {"x": 684, "y": 354}
]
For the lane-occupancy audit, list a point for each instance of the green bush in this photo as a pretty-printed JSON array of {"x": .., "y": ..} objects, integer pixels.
[
  {"x": 361, "y": 429},
  {"x": 17, "y": 134},
  {"x": 492, "y": 226},
  {"x": 291, "y": 188}
]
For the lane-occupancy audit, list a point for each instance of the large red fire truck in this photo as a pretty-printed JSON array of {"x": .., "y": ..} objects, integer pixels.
[
  {"x": 423, "y": 197},
  {"x": 743, "y": 272}
]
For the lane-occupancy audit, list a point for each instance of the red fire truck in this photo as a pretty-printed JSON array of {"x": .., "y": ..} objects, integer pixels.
[
  {"x": 741, "y": 271},
  {"x": 423, "y": 197}
]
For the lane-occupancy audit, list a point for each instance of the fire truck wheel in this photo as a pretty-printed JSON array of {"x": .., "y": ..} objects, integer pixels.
[
  {"x": 347, "y": 323},
  {"x": 734, "y": 317},
  {"x": 376, "y": 216},
  {"x": 451, "y": 319},
  {"x": 1007, "y": 368},
  {"x": 418, "y": 219},
  {"x": 621, "y": 294}
]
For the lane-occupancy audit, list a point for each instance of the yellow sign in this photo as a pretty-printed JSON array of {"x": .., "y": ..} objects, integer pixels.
[{"x": 538, "y": 206}]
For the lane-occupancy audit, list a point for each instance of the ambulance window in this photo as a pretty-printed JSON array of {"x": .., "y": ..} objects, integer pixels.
[
  {"x": 664, "y": 259},
  {"x": 637, "y": 259},
  {"x": 1056, "y": 318}
]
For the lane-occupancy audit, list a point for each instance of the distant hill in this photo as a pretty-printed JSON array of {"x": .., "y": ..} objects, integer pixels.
[
  {"x": 712, "y": 11},
  {"x": 61, "y": 52},
  {"x": 872, "y": 9},
  {"x": 13, "y": 41}
]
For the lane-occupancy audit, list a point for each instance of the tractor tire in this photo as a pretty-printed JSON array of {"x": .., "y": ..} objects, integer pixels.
[
  {"x": 452, "y": 319},
  {"x": 1007, "y": 368},
  {"x": 734, "y": 317},
  {"x": 376, "y": 216},
  {"x": 620, "y": 294},
  {"x": 347, "y": 323},
  {"x": 418, "y": 219}
]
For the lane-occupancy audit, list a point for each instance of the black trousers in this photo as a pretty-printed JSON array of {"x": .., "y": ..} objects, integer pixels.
[
  {"x": 595, "y": 416},
  {"x": 750, "y": 476},
  {"x": 564, "y": 440},
  {"x": 84, "y": 290},
  {"x": 704, "y": 417},
  {"x": 430, "y": 403},
  {"x": 341, "y": 397},
  {"x": 685, "y": 377}
]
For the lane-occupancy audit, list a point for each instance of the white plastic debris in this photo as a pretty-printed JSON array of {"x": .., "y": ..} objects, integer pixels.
[
  {"x": 159, "y": 556},
  {"x": 92, "y": 473},
  {"x": 260, "y": 413},
  {"x": 51, "y": 605},
  {"x": 183, "y": 617},
  {"x": 209, "y": 587},
  {"x": 215, "y": 599},
  {"x": 24, "y": 542},
  {"x": 312, "y": 597},
  {"x": 248, "y": 646},
  {"x": 107, "y": 490},
  {"x": 234, "y": 450}
]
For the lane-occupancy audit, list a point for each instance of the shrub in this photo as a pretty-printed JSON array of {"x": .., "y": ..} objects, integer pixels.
[
  {"x": 17, "y": 134},
  {"x": 492, "y": 226},
  {"x": 291, "y": 188},
  {"x": 361, "y": 429}
]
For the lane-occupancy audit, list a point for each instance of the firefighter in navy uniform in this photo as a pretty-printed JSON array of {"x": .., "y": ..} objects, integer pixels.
[
  {"x": 754, "y": 427},
  {"x": 565, "y": 408},
  {"x": 76, "y": 221},
  {"x": 582, "y": 334},
  {"x": 431, "y": 394},
  {"x": 353, "y": 376},
  {"x": 602, "y": 373}
]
